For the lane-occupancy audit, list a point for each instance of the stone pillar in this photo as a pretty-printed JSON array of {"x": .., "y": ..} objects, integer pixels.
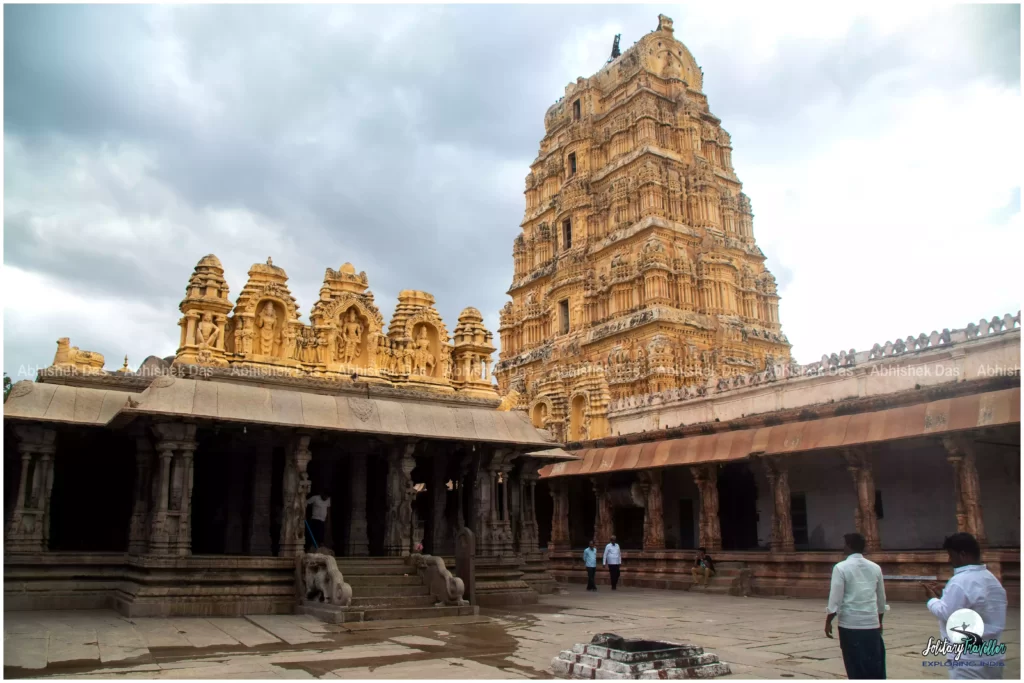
[
  {"x": 706, "y": 479},
  {"x": 966, "y": 487},
  {"x": 170, "y": 531},
  {"x": 295, "y": 490},
  {"x": 777, "y": 471},
  {"x": 529, "y": 532},
  {"x": 439, "y": 531},
  {"x": 400, "y": 494},
  {"x": 495, "y": 535},
  {"x": 29, "y": 527},
  {"x": 138, "y": 530},
  {"x": 864, "y": 486},
  {"x": 654, "y": 519},
  {"x": 259, "y": 522},
  {"x": 604, "y": 527},
  {"x": 234, "y": 489},
  {"x": 358, "y": 541},
  {"x": 559, "y": 490}
]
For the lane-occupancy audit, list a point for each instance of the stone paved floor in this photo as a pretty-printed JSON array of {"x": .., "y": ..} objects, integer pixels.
[{"x": 759, "y": 637}]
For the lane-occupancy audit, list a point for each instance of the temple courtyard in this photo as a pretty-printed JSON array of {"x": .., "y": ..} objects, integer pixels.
[{"x": 758, "y": 637}]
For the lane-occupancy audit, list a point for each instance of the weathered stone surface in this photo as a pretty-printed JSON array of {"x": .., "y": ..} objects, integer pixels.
[{"x": 614, "y": 657}]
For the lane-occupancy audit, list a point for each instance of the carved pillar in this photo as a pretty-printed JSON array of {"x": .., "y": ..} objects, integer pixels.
[
  {"x": 529, "y": 532},
  {"x": 966, "y": 487},
  {"x": 777, "y": 471},
  {"x": 400, "y": 493},
  {"x": 706, "y": 479},
  {"x": 234, "y": 489},
  {"x": 259, "y": 523},
  {"x": 654, "y": 520},
  {"x": 170, "y": 531},
  {"x": 29, "y": 527},
  {"x": 439, "y": 532},
  {"x": 603, "y": 524},
  {"x": 138, "y": 530},
  {"x": 295, "y": 490},
  {"x": 864, "y": 485},
  {"x": 559, "y": 491},
  {"x": 495, "y": 532},
  {"x": 358, "y": 541}
]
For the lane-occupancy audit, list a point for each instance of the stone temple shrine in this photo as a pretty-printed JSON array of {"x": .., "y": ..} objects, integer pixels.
[{"x": 181, "y": 488}]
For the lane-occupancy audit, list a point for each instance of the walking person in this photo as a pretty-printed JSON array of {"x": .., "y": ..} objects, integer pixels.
[
  {"x": 321, "y": 506},
  {"x": 858, "y": 598},
  {"x": 972, "y": 587},
  {"x": 590, "y": 562},
  {"x": 612, "y": 559},
  {"x": 702, "y": 565}
]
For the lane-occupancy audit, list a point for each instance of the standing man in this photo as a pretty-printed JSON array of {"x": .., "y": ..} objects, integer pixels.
[
  {"x": 321, "y": 506},
  {"x": 975, "y": 588},
  {"x": 590, "y": 562},
  {"x": 703, "y": 564},
  {"x": 858, "y": 597},
  {"x": 612, "y": 559}
]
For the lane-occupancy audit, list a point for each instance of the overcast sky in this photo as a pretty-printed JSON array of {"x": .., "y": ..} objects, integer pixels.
[{"x": 881, "y": 152}]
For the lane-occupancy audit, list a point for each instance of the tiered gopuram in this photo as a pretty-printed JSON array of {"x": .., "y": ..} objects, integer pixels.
[
  {"x": 345, "y": 339},
  {"x": 637, "y": 269}
]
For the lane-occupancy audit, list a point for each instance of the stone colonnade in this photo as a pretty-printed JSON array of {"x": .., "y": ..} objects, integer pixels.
[
  {"x": 502, "y": 506},
  {"x": 960, "y": 454}
]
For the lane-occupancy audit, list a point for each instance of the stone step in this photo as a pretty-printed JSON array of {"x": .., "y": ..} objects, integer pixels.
[
  {"x": 386, "y": 590},
  {"x": 355, "y": 580},
  {"x": 374, "y": 570},
  {"x": 416, "y": 613},
  {"x": 375, "y": 561},
  {"x": 391, "y": 601}
]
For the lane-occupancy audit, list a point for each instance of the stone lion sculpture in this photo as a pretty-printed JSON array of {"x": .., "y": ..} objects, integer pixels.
[
  {"x": 446, "y": 589},
  {"x": 509, "y": 401},
  {"x": 321, "y": 580}
]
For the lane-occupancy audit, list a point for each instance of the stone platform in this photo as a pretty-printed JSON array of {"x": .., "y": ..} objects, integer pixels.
[{"x": 613, "y": 657}]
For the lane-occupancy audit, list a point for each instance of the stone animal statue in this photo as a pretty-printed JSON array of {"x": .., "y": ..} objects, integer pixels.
[
  {"x": 446, "y": 589},
  {"x": 321, "y": 581},
  {"x": 509, "y": 401},
  {"x": 68, "y": 355}
]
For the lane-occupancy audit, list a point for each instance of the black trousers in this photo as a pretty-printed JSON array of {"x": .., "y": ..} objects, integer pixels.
[
  {"x": 318, "y": 528},
  {"x": 591, "y": 571},
  {"x": 863, "y": 652},
  {"x": 613, "y": 572}
]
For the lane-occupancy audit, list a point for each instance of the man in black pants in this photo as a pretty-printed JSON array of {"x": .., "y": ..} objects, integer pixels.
[
  {"x": 857, "y": 597},
  {"x": 590, "y": 562},
  {"x": 612, "y": 559}
]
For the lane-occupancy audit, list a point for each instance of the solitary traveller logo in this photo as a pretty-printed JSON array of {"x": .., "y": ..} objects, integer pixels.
[{"x": 964, "y": 631}]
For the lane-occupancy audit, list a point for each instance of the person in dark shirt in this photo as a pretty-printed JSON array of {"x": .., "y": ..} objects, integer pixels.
[{"x": 702, "y": 566}]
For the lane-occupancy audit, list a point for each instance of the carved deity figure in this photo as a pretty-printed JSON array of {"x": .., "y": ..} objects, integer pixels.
[
  {"x": 288, "y": 335},
  {"x": 267, "y": 322},
  {"x": 423, "y": 360},
  {"x": 209, "y": 332},
  {"x": 322, "y": 342},
  {"x": 351, "y": 338}
]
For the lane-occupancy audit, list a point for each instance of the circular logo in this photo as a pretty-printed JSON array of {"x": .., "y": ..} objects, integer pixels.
[{"x": 965, "y": 625}]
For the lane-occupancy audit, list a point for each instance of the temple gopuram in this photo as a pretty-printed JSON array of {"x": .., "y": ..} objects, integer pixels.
[
  {"x": 180, "y": 488},
  {"x": 636, "y": 270}
]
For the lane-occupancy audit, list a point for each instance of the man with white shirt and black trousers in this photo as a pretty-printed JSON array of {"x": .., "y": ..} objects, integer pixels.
[
  {"x": 612, "y": 558},
  {"x": 321, "y": 506},
  {"x": 857, "y": 597},
  {"x": 975, "y": 588}
]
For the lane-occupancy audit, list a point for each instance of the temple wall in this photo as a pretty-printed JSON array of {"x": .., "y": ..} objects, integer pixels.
[{"x": 964, "y": 360}]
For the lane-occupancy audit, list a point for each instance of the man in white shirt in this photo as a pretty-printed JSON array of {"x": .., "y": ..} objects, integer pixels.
[
  {"x": 612, "y": 558},
  {"x": 321, "y": 506},
  {"x": 975, "y": 588},
  {"x": 858, "y": 598}
]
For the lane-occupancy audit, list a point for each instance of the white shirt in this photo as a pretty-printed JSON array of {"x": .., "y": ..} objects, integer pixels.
[
  {"x": 320, "y": 506},
  {"x": 612, "y": 554},
  {"x": 973, "y": 587},
  {"x": 858, "y": 593}
]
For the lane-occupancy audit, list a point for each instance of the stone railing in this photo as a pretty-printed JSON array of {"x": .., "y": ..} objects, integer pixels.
[
  {"x": 828, "y": 364},
  {"x": 446, "y": 588}
]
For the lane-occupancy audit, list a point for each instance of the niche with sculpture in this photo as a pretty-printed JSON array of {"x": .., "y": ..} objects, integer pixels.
[
  {"x": 425, "y": 351},
  {"x": 268, "y": 328},
  {"x": 352, "y": 347}
]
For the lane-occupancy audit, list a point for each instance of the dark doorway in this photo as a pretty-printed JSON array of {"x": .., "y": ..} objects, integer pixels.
[
  {"x": 798, "y": 514},
  {"x": 93, "y": 490},
  {"x": 629, "y": 527},
  {"x": 582, "y": 509},
  {"x": 376, "y": 501},
  {"x": 737, "y": 507},
  {"x": 545, "y": 508},
  {"x": 686, "y": 524}
]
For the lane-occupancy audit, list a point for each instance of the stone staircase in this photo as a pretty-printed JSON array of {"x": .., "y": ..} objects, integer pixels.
[
  {"x": 387, "y": 588},
  {"x": 730, "y": 578}
]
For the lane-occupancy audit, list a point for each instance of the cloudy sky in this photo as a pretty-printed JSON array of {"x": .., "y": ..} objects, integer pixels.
[{"x": 879, "y": 151}]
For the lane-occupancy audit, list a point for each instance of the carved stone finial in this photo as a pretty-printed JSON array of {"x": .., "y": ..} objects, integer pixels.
[
  {"x": 124, "y": 368},
  {"x": 664, "y": 23},
  {"x": 615, "y": 47},
  {"x": 270, "y": 261}
]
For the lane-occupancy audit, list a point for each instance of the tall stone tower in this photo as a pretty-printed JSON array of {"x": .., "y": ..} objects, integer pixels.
[{"x": 636, "y": 270}]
